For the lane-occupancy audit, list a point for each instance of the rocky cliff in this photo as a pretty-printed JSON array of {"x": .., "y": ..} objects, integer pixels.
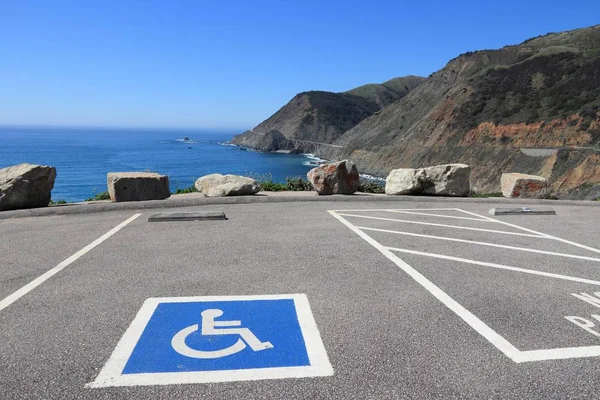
[
  {"x": 484, "y": 107},
  {"x": 322, "y": 117}
]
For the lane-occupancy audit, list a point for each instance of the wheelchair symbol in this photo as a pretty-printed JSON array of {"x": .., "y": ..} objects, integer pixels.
[{"x": 211, "y": 327}]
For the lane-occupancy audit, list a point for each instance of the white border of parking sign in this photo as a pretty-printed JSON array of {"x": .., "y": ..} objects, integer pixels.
[{"x": 111, "y": 375}]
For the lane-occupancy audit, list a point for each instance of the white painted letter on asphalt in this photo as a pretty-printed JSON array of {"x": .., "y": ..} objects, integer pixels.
[
  {"x": 585, "y": 323},
  {"x": 595, "y": 301}
]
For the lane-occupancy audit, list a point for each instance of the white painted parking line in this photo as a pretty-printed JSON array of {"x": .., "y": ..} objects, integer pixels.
[
  {"x": 440, "y": 215},
  {"x": 478, "y": 325},
  {"x": 505, "y": 223},
  {"x": 481, "y": 327},
  {"x": 7, "y": 301},
  {"x": 561, "y": 354},
  {"x": 398, "y": 209},
  {"x": 443, "y": 225},
  {"x": 551, "y": 253},
  {"x": 582, "y": 246},
  {"x": 494, "y": 265}
]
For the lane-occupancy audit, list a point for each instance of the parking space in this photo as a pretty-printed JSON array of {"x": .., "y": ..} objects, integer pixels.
[
  {"x": 30, "y": 249},
  {"x": 294, "y": 301},
  {"x": 525, "y": 291}
]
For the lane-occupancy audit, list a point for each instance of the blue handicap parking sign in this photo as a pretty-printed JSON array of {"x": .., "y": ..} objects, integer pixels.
[{"x": 212, "y": 339}]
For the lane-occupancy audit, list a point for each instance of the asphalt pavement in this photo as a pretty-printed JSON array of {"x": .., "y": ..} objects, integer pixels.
[{"x": 407, "y": 299}]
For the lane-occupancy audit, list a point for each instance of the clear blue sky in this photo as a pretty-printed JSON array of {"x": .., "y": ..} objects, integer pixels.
[{"x": 230, "y": 63}]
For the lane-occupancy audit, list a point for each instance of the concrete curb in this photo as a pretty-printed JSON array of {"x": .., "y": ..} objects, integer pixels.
[{"x": 193, "y": 200}]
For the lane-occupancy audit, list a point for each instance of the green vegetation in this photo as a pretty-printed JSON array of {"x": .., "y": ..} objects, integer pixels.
[
  {"x": 270, "y": 186},
  {"x": 335, "y": 112},
  {"x": 368, "y": 186},
  {"x": 99, "y": 196},
  {"x": 186, "y": 189},
  {"x": 291, "y": 184},
  {"x": 387, "y": 92},
  {"x": 302, "y": 185},
  {"x": 297, "y": 185},
  {"x": 190, "y": 189},
  {"x": 57, "y": 202},
  {"x": 551, "y": 84},
  {"x": 485, "y": 195}
]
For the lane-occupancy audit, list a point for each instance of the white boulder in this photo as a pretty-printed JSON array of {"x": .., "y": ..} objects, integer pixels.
[
  {"x": 439, "y": 180},
  {"x": 26, "y": 186},
  {"x": 217, "y": 185}
]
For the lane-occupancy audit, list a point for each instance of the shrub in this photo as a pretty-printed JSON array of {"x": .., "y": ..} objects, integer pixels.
[
  {"x": 368, "y": 186},
  {"x": 485, "y": 195},
  {"x": 99, "y": 196},
  {"x": 270, "y": 186},
  {"x": 292, "y": 184},
  {"x": 297, "y": 184},
  {"x": 190, "y": 189},
  {"x": 57, "y": 202}
]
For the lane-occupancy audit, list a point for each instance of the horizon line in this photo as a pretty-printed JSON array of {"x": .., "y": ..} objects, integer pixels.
[{"x": 117, "y": 127}]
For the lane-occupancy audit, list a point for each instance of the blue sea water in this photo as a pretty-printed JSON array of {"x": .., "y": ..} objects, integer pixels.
[{"x": 83, "y": 157}]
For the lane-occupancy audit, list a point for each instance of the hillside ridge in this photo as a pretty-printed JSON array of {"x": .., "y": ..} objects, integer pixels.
[
  {"x": 321, "y": 116},
  {"x": 484, "y": 108}
]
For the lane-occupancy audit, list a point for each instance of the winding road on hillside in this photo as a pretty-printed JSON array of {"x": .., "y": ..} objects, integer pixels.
[{"x": 296, "y": 141}]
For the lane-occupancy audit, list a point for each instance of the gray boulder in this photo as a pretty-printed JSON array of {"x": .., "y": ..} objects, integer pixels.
[
  {"x": 217, "y": 185},
  {"x": 137, "y": 186},
  {"x": 335, "y": 178},
  {"x": 26, "y": 186},
  {"x": 439, "y": 180}
]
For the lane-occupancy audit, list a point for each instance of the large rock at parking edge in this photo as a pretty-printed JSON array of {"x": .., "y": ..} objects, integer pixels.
[
  {"x": 439, "y": 180},
  {"x": 523, "y": 186},
  {"x": 137, "y": 186},
  {"x": 26, "y": 186},
  {"x": 335, "y": 178},
  {"x": 217, "y": 185}
]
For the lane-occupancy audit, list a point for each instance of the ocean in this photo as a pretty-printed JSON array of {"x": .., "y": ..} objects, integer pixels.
[{"x": 83, "y": 157}]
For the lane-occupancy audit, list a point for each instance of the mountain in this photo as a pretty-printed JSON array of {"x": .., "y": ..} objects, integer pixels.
[
  {"x": 387, "y": 92},
  {"x": 531, "y": 108},
  {"x": 319, "y": 116},
  {"x": 489, "y": 109}
]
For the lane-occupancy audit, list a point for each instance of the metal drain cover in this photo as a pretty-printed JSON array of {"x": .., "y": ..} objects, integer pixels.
[
  {"x": 522, "y": 211},
  {"x": 188, "y": 216}
]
